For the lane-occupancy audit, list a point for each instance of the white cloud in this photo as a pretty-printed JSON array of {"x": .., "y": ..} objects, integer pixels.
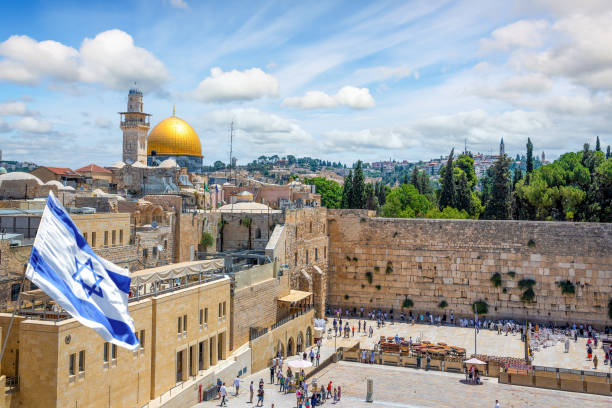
[
  {"x": 523, "y": 33},
  {"x": 235, "y": 86},
  {"x": 110, "y": 58},
  {"x": 103, "y": 123},
  {"x": 382, "y": 73},
  {"x": 4, "y": 127},
  {"x": 179, "y": 4},
  {"x": 14, "y": 108},
  {"x": 31, "y": 125},
  {"x": 260, "y": 128},
  {"x": 355, "y": 98},
  {"x": 367, "y": 139}
]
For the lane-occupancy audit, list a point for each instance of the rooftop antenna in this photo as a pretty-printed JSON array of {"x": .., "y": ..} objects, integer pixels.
[
  {"x": 465, "y": 146},
  {"x": 173, "y": 109},
  {"x": 231, "y": 149}
]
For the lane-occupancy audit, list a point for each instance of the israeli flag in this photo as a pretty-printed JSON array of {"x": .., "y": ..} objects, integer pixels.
[{"x": 93, "y": 290}]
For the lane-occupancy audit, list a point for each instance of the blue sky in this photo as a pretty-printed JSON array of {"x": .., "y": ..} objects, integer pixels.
[{"x": 339, "y": 80}]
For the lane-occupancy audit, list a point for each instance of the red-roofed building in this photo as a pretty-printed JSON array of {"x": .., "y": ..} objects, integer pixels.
[
  {"x": 64, "y": 175},
  {"x": 95, "y": 172}
]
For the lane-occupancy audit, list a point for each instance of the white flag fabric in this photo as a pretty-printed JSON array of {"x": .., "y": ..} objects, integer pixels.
[{"x": 93, "y": 290}]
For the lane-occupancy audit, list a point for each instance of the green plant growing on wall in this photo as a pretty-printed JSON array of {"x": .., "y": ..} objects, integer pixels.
[
  {"x": 346, "y": 297},
  {"x": 512, "y": 274},
  {"x": 362, "y": 286},
  {"x": 376, "y": 268},
  {"x": 369, "y": 277},
  {"x": 531, "y": 243},
  {"x": 378, "y": 287},
  {"x": 481, "y": 307},
  {"x": 528, "y": 295},
  {"x": 348, "y": 258},
  {"x": 526, "y": 283},
  {"x": 505, "y": 290},
  {"x": 496, "y": 279},
  {"x": 567, "y": 287},
  {"x": 389, "y": 268},
  {"x": 443, "y": 304},
  {"x": 355, "y": 259},
  {"x": 207, "y": 239},
  {"x": 408, "y": 303}
]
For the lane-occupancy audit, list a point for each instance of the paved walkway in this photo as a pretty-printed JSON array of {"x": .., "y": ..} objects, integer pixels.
[{"x": 409, "y": 388}]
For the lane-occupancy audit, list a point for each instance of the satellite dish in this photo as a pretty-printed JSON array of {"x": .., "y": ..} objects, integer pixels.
[
  {"x": 154, "y": 224},
  {"x": 160, "y": 248}
]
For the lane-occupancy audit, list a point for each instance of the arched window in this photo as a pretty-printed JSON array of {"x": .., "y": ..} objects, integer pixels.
[{"x": 308, "y": 337}]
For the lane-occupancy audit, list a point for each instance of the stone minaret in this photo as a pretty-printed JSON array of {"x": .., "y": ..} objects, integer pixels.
[{"x": 135, "y": 125}]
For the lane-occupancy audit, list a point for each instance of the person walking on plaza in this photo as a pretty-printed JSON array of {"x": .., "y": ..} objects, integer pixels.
[
  {"x": 312, "y": 356},
  {"x": 371, "y": 331},
  {"x": 318, "y": 358},
  {"x": 329, "y": 389},
  {"x": 372, "y": 357},
  {"x": 497, "y": 404},
  {"x": 260, "y": 397},
  {"x": 595, "y": 361},
  {"x": 251, "y": 392},
  {"x": 237, "y": 384},
  {"x": 272, "y": 372},
  {"x": 223, "y": 392},
  {"x": 363, "y": 356}
]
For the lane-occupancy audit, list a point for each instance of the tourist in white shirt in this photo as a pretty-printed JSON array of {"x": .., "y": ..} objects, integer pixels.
[
  {"x": 237, "y": 384},
  {"x": 223, "y": 392}
]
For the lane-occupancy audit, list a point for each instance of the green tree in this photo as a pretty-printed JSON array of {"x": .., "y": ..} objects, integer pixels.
[
  {"x": 405, "y": 201},
  {"x": 414, "y": 177},
  {"x": 529, "y": 156},
  {"x": 447, "y": 213},
  {"x": 499, "y": 203},
  {"x": 608, "y": 154},
  {"x": 464, "y": 195},
  {"x": 371, "y": 198},
  {"x": 347, "y": 191},
  {"x": 219, "y": 165},
  {"x": 331, "y": 191},
  {"x": 291, "y": 159},
  {"x": 465, "y": 163},
  {"x": 447, "y": 194},
  {"x": 357, "y": 195},
  {"x": 597, "y": 145}
]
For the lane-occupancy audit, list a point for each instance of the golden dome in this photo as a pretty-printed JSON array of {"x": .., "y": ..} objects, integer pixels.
[{"x": 174, "y": 137}]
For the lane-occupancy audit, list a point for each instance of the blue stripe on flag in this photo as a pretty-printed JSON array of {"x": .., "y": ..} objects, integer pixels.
[
  {"x": 121, "y": 281},
  {"x": 117, "y": 328}
]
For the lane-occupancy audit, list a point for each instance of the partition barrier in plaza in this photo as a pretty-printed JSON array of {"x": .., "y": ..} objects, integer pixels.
[{"x": 591, "y": 382}]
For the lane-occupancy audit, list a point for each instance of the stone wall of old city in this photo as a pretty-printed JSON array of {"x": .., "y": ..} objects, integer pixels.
[
  {"x": 453, "y": 260},
  {"x": 236, "y": 232}
]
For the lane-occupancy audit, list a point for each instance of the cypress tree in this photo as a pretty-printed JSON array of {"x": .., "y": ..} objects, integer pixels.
[
  {"x": 464, "y": 195},
  {"x": 529, "y": 156},
  {"x": 405, "y": 179},
  {"x": 608, "y": 155},
  {"x": 499, "y": 202},
  {"x": 414, "y": 178},
  {"x": 347, "y": 190},
  {"x": 447, "y": 195},
  {"x": 357, "y": 197},
  {"x": 597, "y": 145}
]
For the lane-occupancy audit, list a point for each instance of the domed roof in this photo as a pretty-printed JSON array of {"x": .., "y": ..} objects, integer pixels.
[
  {"x": 174, "y": 137},
  {"x": 18, "y": 175}
]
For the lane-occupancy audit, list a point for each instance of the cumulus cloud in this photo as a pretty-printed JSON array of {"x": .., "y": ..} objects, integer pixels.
[
  {"x": 260, "y": 128},
  {"x": 367, "y": 139},
  {"x": 31, "y": 125},
  {"x": 4, "y": 127},
  {"x": 14, "y": 108},
  {"x": 110, "y": 58},
  {"x": 523, "y": 33},
  {"x": 235, "y": 85},
  {"x": 103, "y": 123},
  {"x": 355, "y": 98}
]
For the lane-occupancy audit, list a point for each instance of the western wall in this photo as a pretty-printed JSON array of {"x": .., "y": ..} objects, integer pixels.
[{"x": 379, "y": 262}]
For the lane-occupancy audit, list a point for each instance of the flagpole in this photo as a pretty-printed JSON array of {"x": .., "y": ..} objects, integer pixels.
[
  {"x": 475, "y": 329},
  {"x": 8, "y": 330}
]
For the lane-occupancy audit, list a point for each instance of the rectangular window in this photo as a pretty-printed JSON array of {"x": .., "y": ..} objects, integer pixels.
[
  {"x": 165, "y": 244},
  {"x": 114, "y": 237},
  {"x": 120, "y": 237},
  {"x": 316, "y": 254},
  {"x": 15, "y": 289},
  {"x": 145, "y": 253},
  {"x": 206, "y": 315},
  {"x": 201, "y": 317},
  {"x": 154, "y": 251},
  {"x": 306, "y": 257},
  {"x": 85, "y": 236},
  {"x": 106, "y": 347},
  {"x": 114, "y": 351},
  {"x": 105, "y": 238},
  {"x": 179, "y": 325},
  {"x": 220, "y": 306},
  {"x": 142, "y": 339},
  {"x": 184, "y": 323},
  {"x": 81, "y": 361},
  {"x": 295, "y": 260},
  {"x": 71, "y": 364},
  {"x": 224, "y": 308},
  {"x": 325, "y": 252},
  {"x": 93, "y": 239}
]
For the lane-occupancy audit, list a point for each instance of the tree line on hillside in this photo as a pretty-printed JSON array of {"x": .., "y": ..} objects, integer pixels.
[{"x": 575, "y": 187}]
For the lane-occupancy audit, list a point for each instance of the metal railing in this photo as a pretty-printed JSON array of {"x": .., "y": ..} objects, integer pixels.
[
  {"x": 12, "y": 384},
  {"x": 255, "y": 332},
  {"x": 291, "y": 317}
]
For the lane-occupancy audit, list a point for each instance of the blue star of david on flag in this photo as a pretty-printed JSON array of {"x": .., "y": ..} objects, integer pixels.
[{"x": 83, "y": 279}]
